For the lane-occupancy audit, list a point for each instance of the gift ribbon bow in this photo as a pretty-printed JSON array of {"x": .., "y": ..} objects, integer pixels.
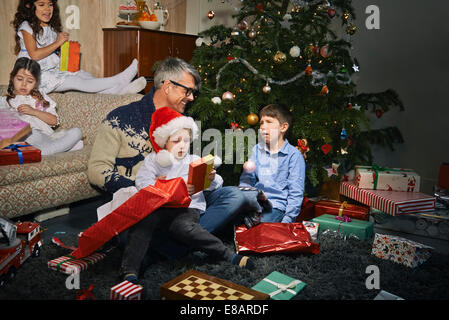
[
  {"x": 283, "y": 287},
  {"x": 342, "y": 207},
  {"x": 378, "y": 169},
  {"x": 15, "y": 147}
]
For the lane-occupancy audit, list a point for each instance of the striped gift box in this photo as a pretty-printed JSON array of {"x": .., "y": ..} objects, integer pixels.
[
  {"x": 391, "y": 202},
  {"x": 70, "y": 265},
  {"x": 126, "y": 291}
]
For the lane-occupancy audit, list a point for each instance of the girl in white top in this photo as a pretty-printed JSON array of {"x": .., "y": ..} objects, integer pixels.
[
  {"x": 38, "y": 110},
  {"x": 39, "y": 36}
]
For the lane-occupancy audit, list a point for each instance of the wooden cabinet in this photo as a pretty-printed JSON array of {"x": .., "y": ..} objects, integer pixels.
[{"x": 122, "y": 45}]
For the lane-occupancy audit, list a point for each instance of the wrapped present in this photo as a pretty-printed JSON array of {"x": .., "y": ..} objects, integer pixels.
[
  {"x": 168, "y": 193},
  {"x": 11, "y": 125},
  {"x": 273, "y": 237},
  {"x": 443, "y": 176},
  {"x": 384, "y": 295},
  {"x": 346, "y": 226},
  {"x": 126, "y": 291},
  {"x": 307, "y": 210},
  {"x": 433, "y": 224},
  {"x": 70, "y": 265},
  {"x": 384, "y": 178},
  {"x": 195, "y": 285},
  {"x": 391, "y": 202},
  {"x": 400, "y": 250},
  {"x": 70, "y": 56},
  {"x": 19, "y": 153},
  {"x": 338, "y": 208},
  {"x": 312, "y": 228},
  {"x": 279, "y": 286},
  {"x": 199, "y": 171}
]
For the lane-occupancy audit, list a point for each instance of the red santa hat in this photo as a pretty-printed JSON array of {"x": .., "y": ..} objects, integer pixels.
[{"x": 164, "y": 123}]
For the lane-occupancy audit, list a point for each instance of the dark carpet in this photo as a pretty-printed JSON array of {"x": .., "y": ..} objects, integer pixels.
[{"x": 338, "y": 272}]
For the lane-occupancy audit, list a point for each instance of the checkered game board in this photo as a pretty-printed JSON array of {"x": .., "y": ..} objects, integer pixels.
[{"x": 194, "y": 285}]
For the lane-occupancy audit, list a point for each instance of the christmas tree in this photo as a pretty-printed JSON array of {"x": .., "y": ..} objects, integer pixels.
[{"x": 290, "y": 53}]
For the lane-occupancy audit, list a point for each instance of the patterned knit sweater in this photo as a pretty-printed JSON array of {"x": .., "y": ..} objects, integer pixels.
[{"x": 121, "y": 145}]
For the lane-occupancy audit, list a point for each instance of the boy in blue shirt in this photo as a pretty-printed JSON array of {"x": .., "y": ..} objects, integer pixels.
[{"x": 280, "y": 167}]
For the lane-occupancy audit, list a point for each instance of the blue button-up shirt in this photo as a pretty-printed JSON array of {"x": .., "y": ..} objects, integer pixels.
[{"x": 281, "y": 176}]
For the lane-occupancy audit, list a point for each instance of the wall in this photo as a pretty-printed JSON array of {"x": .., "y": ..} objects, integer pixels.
[
  {"x": 94, "y": 15},
  {"x": 408, "y": 54}
]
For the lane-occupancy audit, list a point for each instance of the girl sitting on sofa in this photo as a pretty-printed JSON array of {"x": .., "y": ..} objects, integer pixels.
[
  {"x": 39, "y": 36},
  {"x": 38, "y": 110}
]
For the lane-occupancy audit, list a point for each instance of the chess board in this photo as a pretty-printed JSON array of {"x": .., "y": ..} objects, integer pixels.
[{"x": 195, "y": 285}]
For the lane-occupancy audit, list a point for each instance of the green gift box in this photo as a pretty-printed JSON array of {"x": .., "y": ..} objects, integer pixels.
[
  {"x": 362, "y": 229},
  {"x": 279, "y": 286}
]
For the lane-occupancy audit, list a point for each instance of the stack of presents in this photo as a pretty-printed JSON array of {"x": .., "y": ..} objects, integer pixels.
[{"x": 377, "y": 197}]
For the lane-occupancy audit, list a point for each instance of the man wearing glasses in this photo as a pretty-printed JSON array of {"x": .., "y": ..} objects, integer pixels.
[{"x": 122, "y": 142}]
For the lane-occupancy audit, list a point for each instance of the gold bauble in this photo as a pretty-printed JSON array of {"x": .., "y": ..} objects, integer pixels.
[
  {"x": 266, "y": 89},
  {"x": 252, "y": 119},
  {"x": 280, "y": 57},
  {"x": 351, "y": 29},
  {"x": 252, "y": 34}
]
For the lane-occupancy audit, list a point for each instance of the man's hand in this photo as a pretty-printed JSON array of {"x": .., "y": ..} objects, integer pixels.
[
  {"x": 161, "y": 178},
  {"x": 190, "y": 189}
]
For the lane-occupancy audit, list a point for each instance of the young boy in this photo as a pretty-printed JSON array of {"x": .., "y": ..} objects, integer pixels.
[
  {"x": 170, "y": 134},
  {"x": 280, "y": 167}
]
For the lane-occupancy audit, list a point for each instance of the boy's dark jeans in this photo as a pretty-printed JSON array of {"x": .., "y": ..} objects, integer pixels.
[{"x": 182, "y": 224}]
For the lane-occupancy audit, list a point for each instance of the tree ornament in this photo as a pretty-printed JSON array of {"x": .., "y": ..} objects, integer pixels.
[
  {"x": 309, "y": 70},
  {"x": 324, "y": 51},
  {"x": 259, "y": 7},
  {"x": 324, "y": 90},
  {"x": 216, "y": 100},
  {"x": 229, "y": 58},
  {"x": 249, "y": 166},
  {"x": 303, "y": 147},
  {"x": 379, "y": 113},
  {"x": 346, "y": 16},
  {"x": 343, "y": 134},
  {"x": 280, "y": 57},
  {"x": 295, "y": 51},
  {"x": 252, "y": 34},
  {"x": 331, "y": 13},
  {"x": 351, "y": 29},
  {"x": 326, "y": 148},
  {"x": 228, "y": 95},
  {"x": 267, "y": 89},
  {"x": 211, "y": 14},
  {"x": 252, "y": 119},
  {"x": 234, "y": 126},
  {"x": 242, "y": 25},
  {"x": 349, "y": 105},
  {"x": 235, "y": 33}
]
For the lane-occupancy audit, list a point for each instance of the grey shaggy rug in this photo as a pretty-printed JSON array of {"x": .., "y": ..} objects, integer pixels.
[{"x": 338, "y": 272}]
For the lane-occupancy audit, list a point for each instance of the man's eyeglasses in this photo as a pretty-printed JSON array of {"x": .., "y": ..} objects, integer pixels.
[{"x": 189, "y": 91}]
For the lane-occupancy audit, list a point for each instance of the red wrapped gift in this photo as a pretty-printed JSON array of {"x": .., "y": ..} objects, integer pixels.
[
  {"x": 169, "y": 193},
  {"x": 273, "y": 237},
  {"x": 19, "y": 153},
  {"x": 307, "y": 210},
  {"x": 338, "y": 208},
  {"x": 199, "y": 171}
]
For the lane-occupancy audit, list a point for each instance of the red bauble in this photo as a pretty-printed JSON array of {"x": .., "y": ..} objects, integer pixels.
[
  {"x": 331, "y": 13},
  {"x": 326, "y": 148},
  {"x": 259, "y": 7},
  {"x": 211, "y": 15},
  {"x": 379, "y": 113}
]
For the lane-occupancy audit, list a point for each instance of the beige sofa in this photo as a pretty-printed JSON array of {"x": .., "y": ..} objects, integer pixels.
[{"x": 58, "y": 179}]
